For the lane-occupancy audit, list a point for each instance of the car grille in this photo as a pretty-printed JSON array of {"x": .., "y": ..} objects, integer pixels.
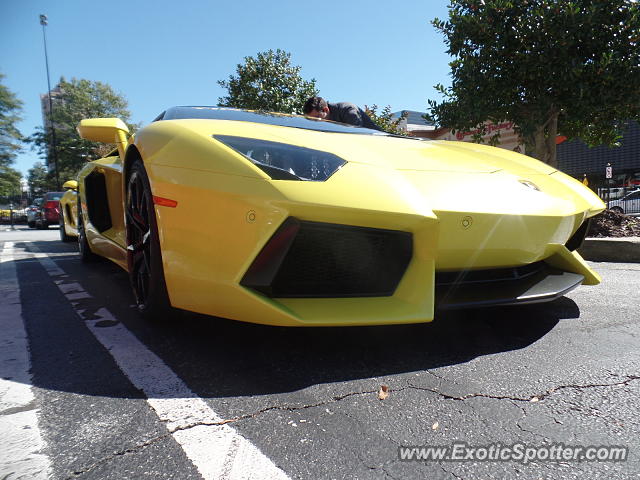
[{"x": 311, "y": 259}]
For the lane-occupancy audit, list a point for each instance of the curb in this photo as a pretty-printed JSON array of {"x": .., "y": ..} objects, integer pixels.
[{"x": 616, "y": 249}]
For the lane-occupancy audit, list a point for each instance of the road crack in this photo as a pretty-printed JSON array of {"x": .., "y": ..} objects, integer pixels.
[
  {"x": 532, "y": 398},
  {"x": 338, "y": 398},
  {"x": 449, "y": 472},
  {"x": 221, "y": 423},
  {"x": 119, "y": 453}
]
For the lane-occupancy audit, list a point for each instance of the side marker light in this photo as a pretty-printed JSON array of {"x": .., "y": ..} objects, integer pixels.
[{"x": 165, "y": 202}]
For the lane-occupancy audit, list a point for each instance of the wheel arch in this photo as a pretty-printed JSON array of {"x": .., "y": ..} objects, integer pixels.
[
  {"x": 68, "y": 214},
  {"x": 617, "y": 208},
  {"x": 131, "y": 156}
]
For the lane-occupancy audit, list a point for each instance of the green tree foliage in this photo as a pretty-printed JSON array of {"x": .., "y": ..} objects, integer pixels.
[
  {"x": 552, "y": 67},
  {"x": 385, "y": 119},
  {"x": 267, "y": 82},
  {"x": 9, "y": 183},
  {"x": 78, "y": 99},
  {"x": 39, "y": 180},
  {"x": 10, "y": 141}
]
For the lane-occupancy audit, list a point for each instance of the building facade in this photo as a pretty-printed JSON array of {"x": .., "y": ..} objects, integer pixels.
[
  {"x": 578, "y": 160},
  {"x": 508, "y": 138},
  {"x": 415, "y": 125}
]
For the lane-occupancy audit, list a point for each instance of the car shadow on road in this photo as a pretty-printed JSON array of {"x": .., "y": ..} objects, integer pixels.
[
  {"x": 224, "y": 358},
  {"x": 246, "y": 359}
]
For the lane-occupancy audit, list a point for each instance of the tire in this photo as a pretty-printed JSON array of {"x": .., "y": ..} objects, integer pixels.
[
  {"x": 86, "y": 255},
  {"x": 617, "y": 209},
  {"x": 63, "y": 233},
  {"x": 144, "y": 257},
  {"x": 31, "y": 224}
]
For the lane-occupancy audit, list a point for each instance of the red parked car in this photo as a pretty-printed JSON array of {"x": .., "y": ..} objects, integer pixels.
[{"x": 49, "y": 211}]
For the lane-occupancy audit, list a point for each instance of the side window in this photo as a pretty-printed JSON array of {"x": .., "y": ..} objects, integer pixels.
[{"x": 633, "y": 196}]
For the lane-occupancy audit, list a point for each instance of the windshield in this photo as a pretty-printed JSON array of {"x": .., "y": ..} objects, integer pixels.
[
  {"x": 52, "y": 196},
  {"x": 280, "y": 119}
]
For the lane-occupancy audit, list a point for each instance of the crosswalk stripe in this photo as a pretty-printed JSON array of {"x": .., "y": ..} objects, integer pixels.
[{"x": 217, "y": 450}]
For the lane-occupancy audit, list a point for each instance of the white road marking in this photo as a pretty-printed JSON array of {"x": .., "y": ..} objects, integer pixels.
[
  {"x": 20, "y": 442},
  {"x": 217, "y": 451}
]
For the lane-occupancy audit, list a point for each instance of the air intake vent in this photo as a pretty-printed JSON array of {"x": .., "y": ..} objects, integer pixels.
[
  {"x": 310, "y": 259},
  {"x": 575, "y": 242}
]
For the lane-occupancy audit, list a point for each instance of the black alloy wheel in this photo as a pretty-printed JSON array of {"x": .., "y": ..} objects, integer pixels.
[
  {"x": 144, "y": 259},
  {"x": 63, "y": 233},
  {"x": 86, "y": 255}
]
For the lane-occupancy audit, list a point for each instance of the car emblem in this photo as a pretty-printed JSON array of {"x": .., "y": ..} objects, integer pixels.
[{"x": 466, "y": 222}]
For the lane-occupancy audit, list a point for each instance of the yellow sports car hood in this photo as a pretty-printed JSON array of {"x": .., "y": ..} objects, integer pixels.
[
  {"x": 371, "y": 149},
  {"x": 448, "y": 175}
]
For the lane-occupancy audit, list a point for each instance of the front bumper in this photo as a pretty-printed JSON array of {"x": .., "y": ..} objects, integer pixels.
[
  {"x": 317, "y": 300},
  {"x": 533, "y": 283},
  {"x": 207, "y": 259}
]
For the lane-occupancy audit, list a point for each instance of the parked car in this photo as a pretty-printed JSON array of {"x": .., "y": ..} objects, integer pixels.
[
  {"x": 69, "y": 212},
  {"x": 629, "y": 204},
  {"x": 612, "y": 193},
  {"x": 48, "y": 213},
  {"x": 32, "y": 211},
  {"x": 286, "y": 220}
]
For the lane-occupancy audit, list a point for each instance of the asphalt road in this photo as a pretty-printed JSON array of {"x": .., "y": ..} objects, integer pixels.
[{"x": 101, "y": 394}]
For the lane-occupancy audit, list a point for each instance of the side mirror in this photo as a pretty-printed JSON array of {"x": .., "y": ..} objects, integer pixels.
[
  {"x": 104, "y": 130},
  {"x": 70, "y": 185}
]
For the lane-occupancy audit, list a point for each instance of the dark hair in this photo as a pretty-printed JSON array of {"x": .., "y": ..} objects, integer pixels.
[{"x": 314, "y": 103}]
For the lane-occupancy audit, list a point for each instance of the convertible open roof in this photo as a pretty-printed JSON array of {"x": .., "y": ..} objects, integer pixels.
[{"x": 281, "y": 119}]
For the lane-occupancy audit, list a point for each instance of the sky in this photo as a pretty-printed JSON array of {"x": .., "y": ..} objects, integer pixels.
[{"x": 162, "y": 53}]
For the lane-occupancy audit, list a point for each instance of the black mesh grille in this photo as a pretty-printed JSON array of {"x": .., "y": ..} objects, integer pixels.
[{"x": 329, "y": 260}]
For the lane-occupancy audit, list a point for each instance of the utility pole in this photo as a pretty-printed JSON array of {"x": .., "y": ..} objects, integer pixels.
[{"x": 54, "y": 150}]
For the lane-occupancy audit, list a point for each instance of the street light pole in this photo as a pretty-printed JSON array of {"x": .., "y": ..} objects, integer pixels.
[{"x": 44, "y": 23}]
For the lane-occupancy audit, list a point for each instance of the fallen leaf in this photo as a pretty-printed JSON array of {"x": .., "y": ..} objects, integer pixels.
[
  {"x": 435, "y": 426},
  {"x": 383, "y": 392}
]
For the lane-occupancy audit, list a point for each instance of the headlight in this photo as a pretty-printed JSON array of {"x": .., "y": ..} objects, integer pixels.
[{"x": 282, "y": 161}]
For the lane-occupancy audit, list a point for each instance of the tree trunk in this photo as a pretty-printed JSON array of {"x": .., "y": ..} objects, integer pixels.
[
  {"x": 552, "y": 133},
  {"x": 544, "y": 141}
]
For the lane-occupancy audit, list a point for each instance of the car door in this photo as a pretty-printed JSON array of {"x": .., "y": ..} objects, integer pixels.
[
  {"x": 632, "y": 203},
  {"x": 103, "y": 201}
]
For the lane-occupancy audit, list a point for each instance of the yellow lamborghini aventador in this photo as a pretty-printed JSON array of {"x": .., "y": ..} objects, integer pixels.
[
  {"x": 285, "y": 220},
  {"x": 69, "y": 212}
]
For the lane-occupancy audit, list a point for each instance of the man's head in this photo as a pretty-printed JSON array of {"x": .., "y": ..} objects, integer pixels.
[{"x": 316, "y": 107}]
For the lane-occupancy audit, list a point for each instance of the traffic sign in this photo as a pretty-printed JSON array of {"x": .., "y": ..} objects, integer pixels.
[{"x": 609, "y": 171}]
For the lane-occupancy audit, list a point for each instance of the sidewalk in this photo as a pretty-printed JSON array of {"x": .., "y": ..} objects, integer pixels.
[{"x": 611, "y": 249}]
